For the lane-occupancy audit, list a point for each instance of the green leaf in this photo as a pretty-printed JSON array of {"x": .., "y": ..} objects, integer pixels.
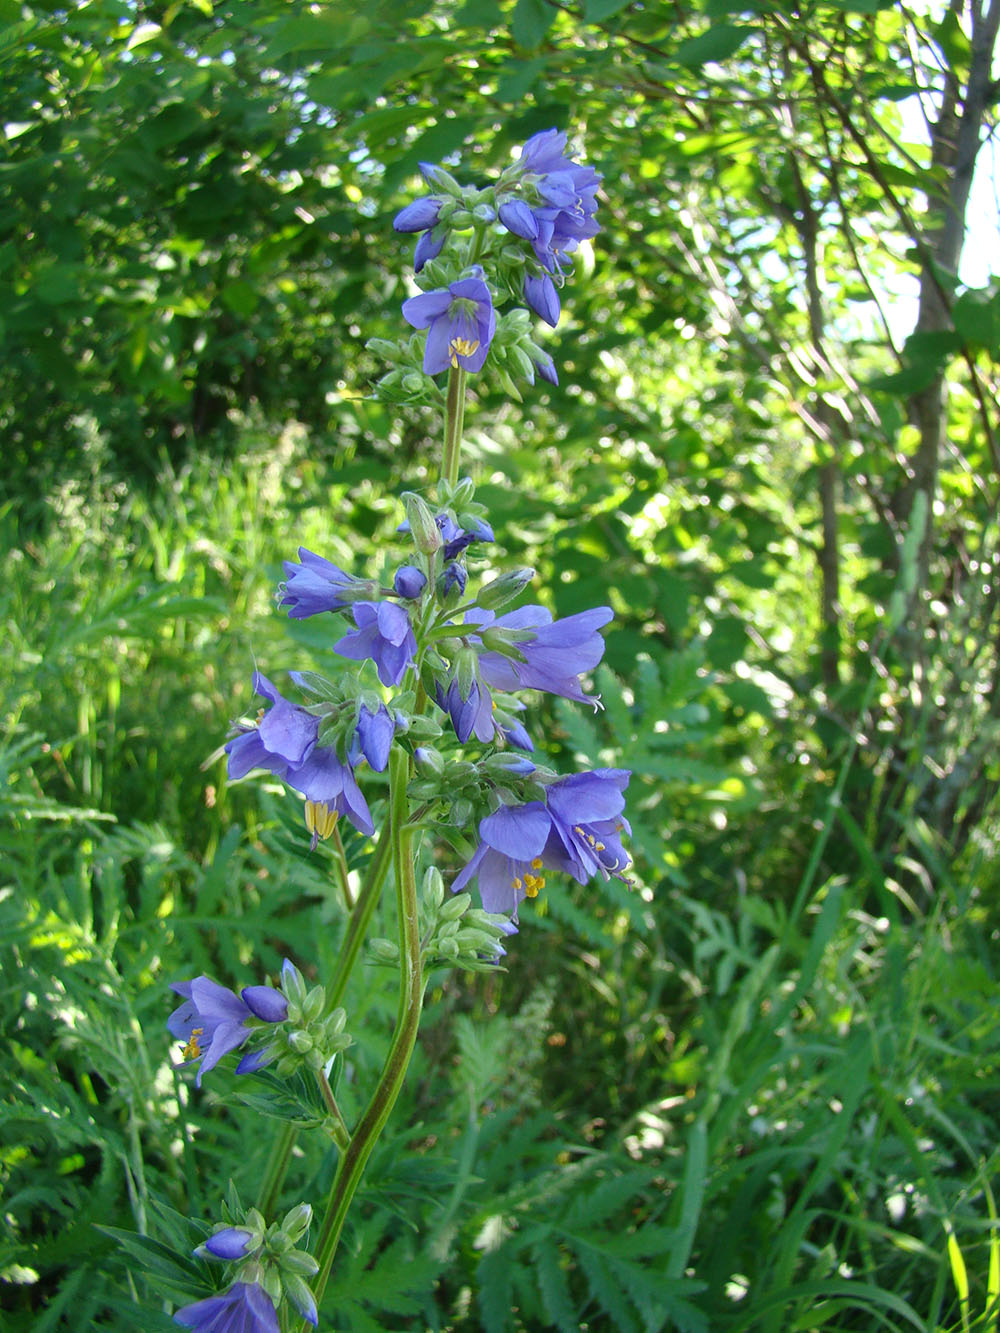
[
  {"x": 532, "y": 20},
  {"x": 716, "y": 43},
  {"x": 595, "y": 11}
]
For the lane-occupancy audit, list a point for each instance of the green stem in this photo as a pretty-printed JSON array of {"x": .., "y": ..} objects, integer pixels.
[
  {"x": 340, "y": 1133},
  {"x": 361, "y": 915},
  {"x": 371, "y": 1124},
  {"x": 281, "y": 1151},
  {"x": 453, "y": 420},
  {"x": 340, "y": 859},
  {"x": 276, "y": 1170}
]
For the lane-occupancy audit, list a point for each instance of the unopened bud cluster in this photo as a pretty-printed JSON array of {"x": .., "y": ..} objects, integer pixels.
[{"x": 311, "y": 1036}]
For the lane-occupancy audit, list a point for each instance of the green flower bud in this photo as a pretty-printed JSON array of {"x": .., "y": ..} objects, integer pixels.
[
  {"x": 293, "y": 985},
  {"x": 461, "y": 219},
  {"x": 296, "y": 1221},
  {"x": 446, "y": 948},
  {"x": 414, "y": 382},
  {"x": 423, "y": 529},
  {"x": 466, "y": 670},
  {"x": 509, "y": 386},
  {"x": 504, "y": 589},
  {"x": 446, "y": 929},
  {"x": 315, "y": 1004},
  {"x": 384, "y": 951},
  {"x": 461, "y": 811},
  {"x": 300, "y": 1041},
  {"x": 428, "y": 761},
  {"x": 458, "y": 905},
  {"x": 297, "y": 1261},
  {"x": 432, "y": 889},
  {"x": 389, "y": 351}
]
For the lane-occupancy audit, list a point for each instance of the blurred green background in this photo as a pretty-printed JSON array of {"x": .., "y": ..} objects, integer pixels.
[{"x": 757, "y": 1091}]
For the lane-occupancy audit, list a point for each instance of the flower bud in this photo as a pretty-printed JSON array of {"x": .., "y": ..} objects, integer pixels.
[
  {"x": 462, "y": 493},
  {"x": 461, "y": 219},
  {"x": 296, "y": 1221},
  {"x": 433, "y": 887},
  {"x": 414, "y": 382},
  {"x": 440, "y": 178},
  {"x": 385, "y": 348},
  {"x": 336, "y": 1022},
  {"x": 315, "y": 1004},
  {"x": 504, "y": 589},
  {"x": 384, "y": 951},
  {"x": 426, "y": 536},
  {"x": 428, "y": 761},
  {"x": 409, "y": 581},
  {"x": 297, "y": 1261},
  {"x": 466, "y": 670},
  {"x": 293, "y": 985},
  {"x": 451, "y": 583},
  {"x": 458, "y": 905},
  {"x": 461, "y": 811},
  {"x": 300, "y": 1042},
  {"x": 522, "y": 363}
]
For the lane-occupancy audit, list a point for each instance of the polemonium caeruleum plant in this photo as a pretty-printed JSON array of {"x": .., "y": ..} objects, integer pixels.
[{"x": 426, "y": 684}]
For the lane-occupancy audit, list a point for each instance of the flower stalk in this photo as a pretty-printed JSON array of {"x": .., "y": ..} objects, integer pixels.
[{"x": 371, "y": 1124}]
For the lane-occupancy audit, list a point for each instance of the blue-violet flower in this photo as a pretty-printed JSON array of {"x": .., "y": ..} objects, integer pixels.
[
  {"x": 576, "y": 831},
  {"x": 385, "y": 635},
  {"x": 244, "y": 1308},
  {"x": 284, "y": 742},
  {"x": 460, "y": 322},
  {"x": 213, "y": 1020}
]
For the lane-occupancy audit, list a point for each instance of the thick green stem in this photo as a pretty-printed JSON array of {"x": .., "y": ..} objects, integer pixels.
[
  {"x": 371, "y": 1124},
  {"x": 361, "y": 915},
  {"x": 453, "y": 420},
  {"x": 357, "y": 927}
]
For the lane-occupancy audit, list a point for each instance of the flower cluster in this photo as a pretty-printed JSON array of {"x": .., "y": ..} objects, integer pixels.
[
  {"x": 428, "y": 659},
  {"x": 270, "y": 1270},
  {"x": 469, "y": 251}
]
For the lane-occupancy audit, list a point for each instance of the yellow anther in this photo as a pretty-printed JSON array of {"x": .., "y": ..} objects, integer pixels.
[
  {"x": 516, "y": 883},
  {"x": 260, "y": 715},
  {"x": 193, "y": 1048},
  {"x": 320, "y": 819},
  {"x": 536, "y": 863},
  {"x": 598, "y": 846},
  {"x": 461, "y": 347},
  {"x": 592, "y": 840}
]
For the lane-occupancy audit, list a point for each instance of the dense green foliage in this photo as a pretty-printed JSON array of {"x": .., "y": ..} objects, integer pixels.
[{"x": 760, "y": 1089}]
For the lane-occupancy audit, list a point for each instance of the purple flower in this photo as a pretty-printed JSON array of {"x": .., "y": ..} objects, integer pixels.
[
  {"x": 213, "y": 1020},
  {"x": 385, "y": 635},
  {"x": 422, "y": 214},
  {"x": 565, "y": 200},
  {"x": 576, "y": 831},
  {"x": 541, "y": 295},
  {"x": 284, "y": 743},
  {"x": 409, "y": 581},
  {"x": 244, "y": 1308},
  {"x": 460, "y": 322},
  {"x": 455, "y": 538},
  {"x": 316, "y": 585},
  {"x": 373, "y": 736},
  {"x": 555, "y": 656},
  {"x": 228, "y": 1243}
]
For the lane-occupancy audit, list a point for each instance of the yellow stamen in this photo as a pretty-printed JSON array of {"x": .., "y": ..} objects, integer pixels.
[
  {"x": 536, "y": 863},
  {"x": 461, "y": 347},
  {"x": 193, "y": 1048},
  {"x": 516, "y": 883},
  {"x": 320, "y": 819}
]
